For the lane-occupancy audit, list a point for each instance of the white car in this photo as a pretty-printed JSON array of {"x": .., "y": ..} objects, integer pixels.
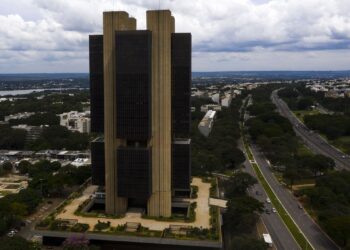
[
  {"x": 268, "y": 200},
  {"x": 11, "y": 234},
  {"x": 274, "y": 210}
]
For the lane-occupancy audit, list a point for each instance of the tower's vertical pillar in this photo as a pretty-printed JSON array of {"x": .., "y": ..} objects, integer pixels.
[
  {"x": 162, "y": 24},
  {"x": 112, "y": 21}
]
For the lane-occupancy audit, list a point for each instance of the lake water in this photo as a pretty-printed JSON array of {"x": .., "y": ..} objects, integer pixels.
[{"x": 24, "y": 91}]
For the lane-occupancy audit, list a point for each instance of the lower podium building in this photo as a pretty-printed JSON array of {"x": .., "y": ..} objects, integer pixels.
[{"x": 140, "y": 102}]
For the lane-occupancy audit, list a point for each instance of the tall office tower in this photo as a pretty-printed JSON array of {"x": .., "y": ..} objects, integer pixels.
[{"x": 144, "y": 159}]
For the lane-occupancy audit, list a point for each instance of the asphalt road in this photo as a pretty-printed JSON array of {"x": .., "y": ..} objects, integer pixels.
[
  {"x": 313, "y": 140},
  {"x": 316, "y": 236},
  {"x": 281, "y": 237}
]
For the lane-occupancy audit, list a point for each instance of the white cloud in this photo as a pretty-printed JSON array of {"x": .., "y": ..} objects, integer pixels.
[{"x": 228, "y": 31}]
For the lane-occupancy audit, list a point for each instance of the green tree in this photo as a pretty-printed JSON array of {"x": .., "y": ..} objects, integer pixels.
[
  {"x": 305, "y": 103},
  {"x": 24, "y": 166},
  {"x": 248, "y": 243},
  {"x": 19, "y": 209},
  {"x": 17, "y": 243},
  {"x": 7, "y": 166},
  {"x": 29, "y": 197},
  {"x": 238, "y": 184},
  {"x": 55, "y": 165},
  {"x": 318, "y": 164},
  {"x": 242, "y": 214},
  {"x": 12, "y": 138},
  {"x": 339, "y": 229}
]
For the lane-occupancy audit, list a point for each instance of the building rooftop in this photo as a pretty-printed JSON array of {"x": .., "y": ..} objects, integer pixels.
[{"x": 182, "y": 141}]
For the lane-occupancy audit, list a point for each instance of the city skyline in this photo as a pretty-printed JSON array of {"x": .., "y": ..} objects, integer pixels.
[{"x": 232, "y": 35}]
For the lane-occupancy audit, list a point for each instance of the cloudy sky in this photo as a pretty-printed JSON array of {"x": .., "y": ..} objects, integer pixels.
[{"x": 52, "y": 35}]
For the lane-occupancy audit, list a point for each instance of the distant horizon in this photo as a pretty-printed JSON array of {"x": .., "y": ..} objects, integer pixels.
[
  {"x": 235, "y": 75},
  {"x": 215, "y": 71}
]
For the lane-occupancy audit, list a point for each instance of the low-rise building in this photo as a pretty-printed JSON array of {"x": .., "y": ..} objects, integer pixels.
[
  {"x": 226, "y": 100},
  {"x": 331, "y": 94},
  {"x": 81, "y": 162},
  {"x": 216, "y": 98},
  {"x": 206, "y": 124},
  {"x": 23, "y": 115},
  {"x": 33, "y": 132},
  {"x": 76, "y": 121},
  {"x": 237, "y": 92},
  {"x": 206, "y": 107}
]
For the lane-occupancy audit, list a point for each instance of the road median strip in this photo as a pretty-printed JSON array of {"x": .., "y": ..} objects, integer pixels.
[{"x": 286, "y": 218}]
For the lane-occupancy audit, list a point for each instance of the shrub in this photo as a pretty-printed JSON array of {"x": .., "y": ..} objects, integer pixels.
[
  {"x": 58, "y": 225},
  {"x": 194, "y": 193},
  {"x": 44, "y": 223},
  {"x": 102, "y": 225},
  {"x": 80, "y": 227}
]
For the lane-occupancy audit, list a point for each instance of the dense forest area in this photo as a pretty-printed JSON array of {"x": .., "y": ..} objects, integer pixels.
[
  {"x": 275, "y": 136},
  {"x": 53, "y": 137},
  {"x": 54, "y": 103},
  {"x": 298, "y": 92},
  {"x": 217, "y": 152},
  {"x": 47, "y": 108},
  {"x": 242, "y": 213},
  {"x": 335, "y": 126},
  {"x": 329, "y": 200}
]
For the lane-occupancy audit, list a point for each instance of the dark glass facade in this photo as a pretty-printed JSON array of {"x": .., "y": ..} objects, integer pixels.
[
  {"x": 96, "y": 83},
  {"x": 134, "y": 172},
  {"x": 133, "y": 84},
  {"x": 181, "y": 50},
  {"x": 181, "y": 165},
  {"x": 134, "y": 114},
  {"x": 98, "y": 162}
]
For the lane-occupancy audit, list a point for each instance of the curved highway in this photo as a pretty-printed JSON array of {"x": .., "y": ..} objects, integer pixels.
[
  {"x": 281, "y": 237},
  {"x": 315, "y": 235},
  {"x": 313, "y": 140}
]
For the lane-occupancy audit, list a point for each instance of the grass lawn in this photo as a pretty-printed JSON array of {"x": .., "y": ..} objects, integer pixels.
[
  {"x": 4, "y": 193},
  {"x": 301, "y": 113},
  {"x": 303, "y": 150},
  {"x": 342, "y": 143}
]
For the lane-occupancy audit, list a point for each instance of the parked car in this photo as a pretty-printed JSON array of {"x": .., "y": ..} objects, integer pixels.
[
  {"x": 12, "y": 233},
  {"x": 268, "y": 200},
  {"x": 274, "y": 210}
]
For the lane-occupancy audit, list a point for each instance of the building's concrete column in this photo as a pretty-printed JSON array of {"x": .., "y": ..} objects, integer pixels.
[
  {"x": 161, "y": 23},
  {"x": 112, "y": 21}
]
